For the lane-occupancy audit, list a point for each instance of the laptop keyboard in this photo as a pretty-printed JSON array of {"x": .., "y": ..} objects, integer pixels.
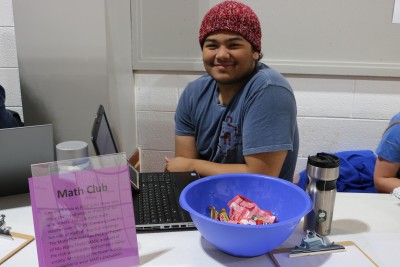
[{"x": 159, "y": 200}]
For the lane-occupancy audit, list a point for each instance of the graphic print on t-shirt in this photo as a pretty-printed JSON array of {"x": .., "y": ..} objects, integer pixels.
[{"x": 229, "y": 140}]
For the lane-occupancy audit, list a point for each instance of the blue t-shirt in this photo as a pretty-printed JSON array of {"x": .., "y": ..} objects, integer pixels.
[
  {"x": 260, "y": 118},
  {"x": 389, "y": 147}
]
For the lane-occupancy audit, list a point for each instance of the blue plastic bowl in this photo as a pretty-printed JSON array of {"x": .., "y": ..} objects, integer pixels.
[{"x": 284, "y": 199}]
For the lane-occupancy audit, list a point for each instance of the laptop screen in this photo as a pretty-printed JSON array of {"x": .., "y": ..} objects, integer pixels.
[
  {"x": 102, "y": 139},
  {"x": 19, "y": 148}
]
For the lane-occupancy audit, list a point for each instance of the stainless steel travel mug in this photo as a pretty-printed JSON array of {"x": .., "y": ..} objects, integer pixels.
[{"x": 322, "y": 172}]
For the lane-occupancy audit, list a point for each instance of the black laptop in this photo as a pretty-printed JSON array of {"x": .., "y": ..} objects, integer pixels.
[{"x": 155, "y": 194}]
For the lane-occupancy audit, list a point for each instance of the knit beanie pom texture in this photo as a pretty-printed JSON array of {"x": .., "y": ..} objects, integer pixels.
[{"x": 235, "y": 17}]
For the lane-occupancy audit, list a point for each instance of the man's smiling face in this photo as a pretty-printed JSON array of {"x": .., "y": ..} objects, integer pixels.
[{"x": 228, "y": 57}]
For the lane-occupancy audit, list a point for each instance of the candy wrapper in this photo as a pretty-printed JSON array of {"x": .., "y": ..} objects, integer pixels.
[
  {"x": 243, "y": 211},
  {"x": 213, "y": 213}
]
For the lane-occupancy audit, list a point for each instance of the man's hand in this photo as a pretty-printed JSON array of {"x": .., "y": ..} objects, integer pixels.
[{"x": 178, "y": 164}]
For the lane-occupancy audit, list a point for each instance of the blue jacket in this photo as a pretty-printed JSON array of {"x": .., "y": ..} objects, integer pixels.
[{"x": 356, "y": 172}]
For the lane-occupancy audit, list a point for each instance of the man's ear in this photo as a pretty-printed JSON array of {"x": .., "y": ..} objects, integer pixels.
[{"x": 257, "y": 56}]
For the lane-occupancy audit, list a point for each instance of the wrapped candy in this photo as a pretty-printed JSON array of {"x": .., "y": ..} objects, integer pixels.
[
  {"x": 223, "y": 216},
  {"x": 213, "y": 213},
  {"x": 244, "y": 211}
]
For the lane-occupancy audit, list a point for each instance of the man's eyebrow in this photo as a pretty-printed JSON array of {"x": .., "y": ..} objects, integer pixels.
[{"x": 233, "y": 39}]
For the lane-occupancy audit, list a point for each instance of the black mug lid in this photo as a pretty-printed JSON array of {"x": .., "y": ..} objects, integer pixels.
[{"x": 324, "y": 160}]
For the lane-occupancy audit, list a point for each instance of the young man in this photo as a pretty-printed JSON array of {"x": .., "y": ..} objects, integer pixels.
[{"x": 241, "y": 115}]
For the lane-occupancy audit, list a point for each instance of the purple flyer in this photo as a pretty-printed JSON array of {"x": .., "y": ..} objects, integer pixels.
[{"x": 85, "y": 218}]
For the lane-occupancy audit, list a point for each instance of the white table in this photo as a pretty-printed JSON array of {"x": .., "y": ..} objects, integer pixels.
[{"x": 372, "y": 221}]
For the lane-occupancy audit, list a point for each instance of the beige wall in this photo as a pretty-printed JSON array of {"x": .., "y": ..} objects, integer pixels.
[{"x": 70, "y": 64}]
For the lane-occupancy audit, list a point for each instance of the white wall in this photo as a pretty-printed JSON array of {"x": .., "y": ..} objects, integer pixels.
[
  {"x": 303, "y": 36},
  {"x": 9, "y": 77},
  {"x": 335, "y": 113},
  {"x": 74, "y": 55}
]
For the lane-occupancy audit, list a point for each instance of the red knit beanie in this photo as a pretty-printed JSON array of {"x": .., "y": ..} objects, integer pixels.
[{"x": 235, "y": 17}]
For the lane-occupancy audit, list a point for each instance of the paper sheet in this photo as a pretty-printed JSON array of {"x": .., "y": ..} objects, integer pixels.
[
  {"x": 396, "y": 12},
  {"x": 86, "y": 217},
  {"x": 9, "y": 247},
  {"x": 353, "y": 256}
]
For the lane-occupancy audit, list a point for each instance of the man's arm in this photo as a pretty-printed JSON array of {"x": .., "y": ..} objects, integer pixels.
[
  {"x": 185, "y": 146},
  {"x": 268, "y": 163},
  {"x": 385, "y": 179}
]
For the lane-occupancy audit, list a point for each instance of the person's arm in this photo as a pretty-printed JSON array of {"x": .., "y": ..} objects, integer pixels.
[
  {"x": 385, "y": 175},
  {"x": 268, "y": 163},
  {"x": 185, "y": 146}
]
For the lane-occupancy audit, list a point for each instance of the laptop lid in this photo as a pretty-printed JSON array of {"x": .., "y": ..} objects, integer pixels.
[
  {"x": 102, "y": 138},
  {"x": 104, "y": 143},
  {"x": 19, "y": 148}
]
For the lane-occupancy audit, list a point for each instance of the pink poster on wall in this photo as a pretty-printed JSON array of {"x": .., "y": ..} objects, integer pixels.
[{"x": 85, "y": 218}]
